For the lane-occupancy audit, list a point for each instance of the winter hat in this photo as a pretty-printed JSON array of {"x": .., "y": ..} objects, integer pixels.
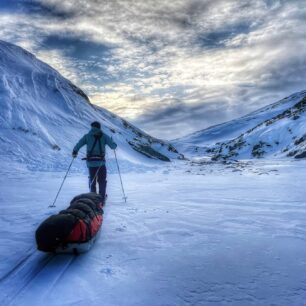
[{"x": 96, "y": 124}]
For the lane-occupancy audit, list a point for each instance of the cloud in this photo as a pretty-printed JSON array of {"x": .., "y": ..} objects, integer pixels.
[
  {"x": 35, "y": 7},
  {"x": 174, "y": 118},
  {"x": 168, "y": 66},
  {"x": 77, "y": 48}
]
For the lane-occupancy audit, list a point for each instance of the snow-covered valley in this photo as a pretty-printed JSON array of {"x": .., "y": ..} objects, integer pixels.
[
  {"x": 226, "y": 227},
  {"x": 198, "y": 234}
]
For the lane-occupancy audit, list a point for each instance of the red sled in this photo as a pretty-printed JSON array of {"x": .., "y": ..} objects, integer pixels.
[{"x": 73, "y": 230}]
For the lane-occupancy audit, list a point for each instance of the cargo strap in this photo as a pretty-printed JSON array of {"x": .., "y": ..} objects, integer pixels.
[
  {"x": 97, "y": 137},
  {"x": 97, "y": 157}
]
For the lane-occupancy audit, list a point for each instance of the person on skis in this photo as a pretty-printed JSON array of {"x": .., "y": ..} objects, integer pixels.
[{"x": 95, "y": 140}]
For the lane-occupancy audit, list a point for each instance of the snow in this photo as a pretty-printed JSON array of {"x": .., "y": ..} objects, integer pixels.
[
  {"x": 272, "y": 132},
  {"x": 234, "y": 128},
  {"x": 43, "y": 115},
  {"x": 191, "y": 233}
]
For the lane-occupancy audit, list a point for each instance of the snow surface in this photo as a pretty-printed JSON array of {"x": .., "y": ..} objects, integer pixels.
[{"x": 191, "y": 233}]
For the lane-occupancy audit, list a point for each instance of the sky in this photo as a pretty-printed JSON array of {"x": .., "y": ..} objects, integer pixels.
[{"x": 169, "y": 67}]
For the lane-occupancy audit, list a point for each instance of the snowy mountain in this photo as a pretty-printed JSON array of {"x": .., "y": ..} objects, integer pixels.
[
  {"x": 43, "y": 115},
  {"x": 277, "y": 130}
]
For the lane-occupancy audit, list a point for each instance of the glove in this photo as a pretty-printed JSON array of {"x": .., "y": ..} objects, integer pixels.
[{"x": 74, "y": 154}]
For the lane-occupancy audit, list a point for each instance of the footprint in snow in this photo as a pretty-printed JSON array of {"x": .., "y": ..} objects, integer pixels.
[
  {"x": 120, "y": 229},
  {"x": 107, "y": 271}
]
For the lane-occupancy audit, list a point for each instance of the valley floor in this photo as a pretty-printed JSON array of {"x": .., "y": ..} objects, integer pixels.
[{"x": 189, "y": 234}]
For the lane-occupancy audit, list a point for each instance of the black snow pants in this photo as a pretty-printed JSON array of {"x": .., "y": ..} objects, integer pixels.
[{"x": 100, "y": 177}]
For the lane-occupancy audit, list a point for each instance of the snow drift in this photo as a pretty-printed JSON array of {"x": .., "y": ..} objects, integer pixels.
[{"x": 42, "y": 115}]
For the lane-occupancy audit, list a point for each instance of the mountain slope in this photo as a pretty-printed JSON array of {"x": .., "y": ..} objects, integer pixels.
[
  {"x": 43, "y": 115},
  {"x": 276, "y": 130}
]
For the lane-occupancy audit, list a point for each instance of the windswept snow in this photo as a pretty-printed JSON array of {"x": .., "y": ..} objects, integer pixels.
[{"x": 196, "y": 233}]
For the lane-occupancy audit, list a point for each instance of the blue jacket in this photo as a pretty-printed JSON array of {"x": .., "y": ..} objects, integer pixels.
[{"x": 89, "y": 140}]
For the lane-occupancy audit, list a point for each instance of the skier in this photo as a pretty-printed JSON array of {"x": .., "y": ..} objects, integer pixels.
[{"x": 95, "y": 160}]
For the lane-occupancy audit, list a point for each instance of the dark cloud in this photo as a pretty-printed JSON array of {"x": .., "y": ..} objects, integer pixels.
[
  {"x": 218, "y": 39},
  {"x": 286, "y": 76},
  {"x": 174, "y": 118},
  {"x": 153, "y": 43},
  {"x": 36, "y": 7},
  {"x": 48, "y": 10},
  {"x": 90, "y": 58},
  {"x": 11, "y": 6},
  {"x": 77, "y": 48},
  {"x": 274, "y": 3},
  {"x": 196, "y": 7}
]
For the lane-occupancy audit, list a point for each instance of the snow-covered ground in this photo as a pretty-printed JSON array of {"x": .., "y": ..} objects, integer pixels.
[{"x": 190, "y": 234}]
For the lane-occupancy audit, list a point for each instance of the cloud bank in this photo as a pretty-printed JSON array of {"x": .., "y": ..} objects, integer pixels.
[{"x": 172, "y": 68}]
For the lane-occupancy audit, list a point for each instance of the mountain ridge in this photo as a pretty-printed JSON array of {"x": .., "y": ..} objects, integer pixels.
[
  {"x": 43, "y": 114},
  {"x": 258, "y": 134}
]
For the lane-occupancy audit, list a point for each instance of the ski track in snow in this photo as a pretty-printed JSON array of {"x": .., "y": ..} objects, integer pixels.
[
  {"x": 27, "y": 274},
  {"x": 194, "y": 233}
]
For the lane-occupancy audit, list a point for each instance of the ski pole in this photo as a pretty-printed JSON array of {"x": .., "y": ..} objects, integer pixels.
[
  {"x": 124, "y": 197},
  {"x": 53, "y": 204}
]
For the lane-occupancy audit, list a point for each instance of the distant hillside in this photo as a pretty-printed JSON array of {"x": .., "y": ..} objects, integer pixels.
[{"x": 278, "y": 130}]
